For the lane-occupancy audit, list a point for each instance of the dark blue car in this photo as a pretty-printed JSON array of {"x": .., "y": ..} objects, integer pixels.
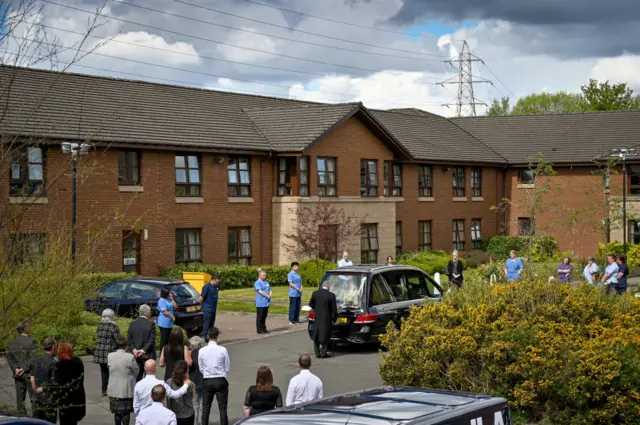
[{"x": 126, "y": 296}]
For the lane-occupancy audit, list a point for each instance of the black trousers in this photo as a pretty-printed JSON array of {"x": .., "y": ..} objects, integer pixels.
[
  {"x": 164, "y": 336},
  {"x": 140, "y": 362},
  {"x": 218, "y": 388},
  {"x": 261, "y": 319},
  {"x": 46, "y": 412},
  {"x": 23, "y": 386},
  {"x": 186, "y": 421},
  {"x": 320, "y": 349},
  {"x": 104, "y": 374}
]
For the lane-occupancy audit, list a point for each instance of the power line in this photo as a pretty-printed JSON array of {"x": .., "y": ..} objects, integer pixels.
[
  {"x": 208, "y": 39},
  {"x": 333, "y": 20},
  {"x": 301, "y": 31},
  {"x": 499, "y": 80},
  {"x": 269, "y": 35}
]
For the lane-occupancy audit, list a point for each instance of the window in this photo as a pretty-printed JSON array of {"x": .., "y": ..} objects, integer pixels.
[
  {"x": 140, "y": 291},
  {"x": 424, "y": 230},
  {"x": 425, "y": 181},
  {"x": 398, "y": 237},
  {"x": 380, "y": 291},
  {"x": 188, "y": 246},
  {"x": 369, "y": 244},
  {"x": 114, "y": 291},
  {"x": 397, "y": 285},
  {"x": 26, "y": 248},
  {"x": 634, "y": 179},
  {"x": 476, "y": 182},
  {"x": 524, "y": 226},
  {"x": 130, "y": 252},
  {"x": 238, "y": 176},
  {"x": 293, "y": 176},
  {"x": 187, "y": 175},
  {"x": 328, "y": 242},
  {"x": 128, "y": 168},
  {"x": 606, "y": 179},
  {"x": 27, "y": 172},
  {"x": 634, "y": 232},
  {"x": 239, "y": 244},
  {"x": 393, "y": 181},
  {"x": 326, "y": 176},
  {"x": 458, "y": 235},
  {"x": 525, "y": 176},
  {"x": 416, "y": 285},
  {"x": 476, "y": 234},
  {"x": 368, "y": 177},
  {"x": 458, "y": 182}
]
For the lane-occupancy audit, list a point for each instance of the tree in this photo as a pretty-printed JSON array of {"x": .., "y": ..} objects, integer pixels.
[
  {"x": 321, "y": 233},
  {"x": 499, "y": 107},
  {"x": 608, "y": 97}
]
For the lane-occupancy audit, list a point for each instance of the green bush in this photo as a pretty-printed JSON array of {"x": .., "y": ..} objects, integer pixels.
[
  {"x": 561, "y": 354},
  {"x": 312, "y": 272},
  {"x": 544, "y": 247},
  {"x": 430, "y": 262},
  {"x": 617, "y": 248},
  {"x": 475, "y": 258}
]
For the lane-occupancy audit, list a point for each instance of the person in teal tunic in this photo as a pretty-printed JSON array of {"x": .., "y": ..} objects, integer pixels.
[{"x": 513, "y": 268}]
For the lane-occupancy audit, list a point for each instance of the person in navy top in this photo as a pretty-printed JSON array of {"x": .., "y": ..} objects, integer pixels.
[
  {"x": 295, "y": 293},
  {"x": 623, "y": 273},
  {"x": 209, "y": 303},
  {"x": 263, "y": 300}
]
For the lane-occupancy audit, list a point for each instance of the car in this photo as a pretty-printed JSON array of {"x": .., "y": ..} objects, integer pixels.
[
  {"x": 371, "y": 296},
  {"x": 392, "y": 406},
  {"x": 126, "y": 296}
]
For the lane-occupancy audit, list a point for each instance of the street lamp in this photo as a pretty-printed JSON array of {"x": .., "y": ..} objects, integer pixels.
[
  {"x": 74, "y": 149},
  {"x": 623, "y": 154}
]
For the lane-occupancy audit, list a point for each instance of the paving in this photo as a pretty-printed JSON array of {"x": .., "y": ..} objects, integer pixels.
[{"x": 352, "y": 368}]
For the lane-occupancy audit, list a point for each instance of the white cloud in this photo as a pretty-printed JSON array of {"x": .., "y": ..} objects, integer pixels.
[
  {"x": 619, "y": 69},
  {"x": 253, "y": 41},
  {"x": 177, "y": 54}
]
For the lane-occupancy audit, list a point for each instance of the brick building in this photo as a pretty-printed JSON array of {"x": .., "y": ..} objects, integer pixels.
[{"x": 178, "y": 174}]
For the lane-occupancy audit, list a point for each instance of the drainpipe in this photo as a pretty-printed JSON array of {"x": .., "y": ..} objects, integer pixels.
[
  {"x": 262, "y": 211},
  {"x": 505, "y": 230}
]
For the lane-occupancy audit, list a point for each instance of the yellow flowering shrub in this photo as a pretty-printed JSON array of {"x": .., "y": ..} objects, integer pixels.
[{"x": 561, "y": 354}]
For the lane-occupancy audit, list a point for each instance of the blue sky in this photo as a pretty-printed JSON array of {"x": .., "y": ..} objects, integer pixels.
[{"x": 439, "y": 28}]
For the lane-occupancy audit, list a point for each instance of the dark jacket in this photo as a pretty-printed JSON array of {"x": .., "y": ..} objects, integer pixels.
[
  {"x": 142, "y": 336},
  {"x": 20, "y": 352},
  {"x": 42, "y": 369},
  {"x": 455, "y": 267},
  {"x": 69, "y": 392},
  {"x": 194, "y": 371},
  {"x": 323, "y": 302}
]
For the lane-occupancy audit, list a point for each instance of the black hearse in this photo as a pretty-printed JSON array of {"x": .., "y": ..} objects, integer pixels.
[
  {"x": 392, "y": 406},
  {"x": 371, "y": 296}
]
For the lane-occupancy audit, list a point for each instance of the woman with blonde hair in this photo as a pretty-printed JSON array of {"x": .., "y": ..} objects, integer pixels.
[{"x": 263, "y": 396}]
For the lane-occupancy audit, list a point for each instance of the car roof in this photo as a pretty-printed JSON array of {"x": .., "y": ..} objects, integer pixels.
[
  {"x": 21, "y": 421},
  {"x": 368, "y": 268},
  {"x": 381, "y": 406},
  {"x": 158, "y": 281}
]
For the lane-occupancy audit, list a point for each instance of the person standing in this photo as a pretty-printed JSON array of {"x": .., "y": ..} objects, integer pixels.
[
  {"x": 623, "y": 274},
  {"x": 344, "y": 261},
  {"x": 196, "y": 343},
  {"x": 156, "y": 413},
  {"x": 263, "y": 396},
  {"x": 591, "y": 271},
  {"x": 209, "y": 303},
  {"x": 142, "y": 390},
  {"x": 69, "y": 386},
  {"x": 295, "y": 293},
  {"x": 108, "y": 333},
  {"x": 214, "y": 365},
  {"x": 20, "y": 352},
  {"x": 166, "y": 317},
  {"x": 123, "y": 371},
  {"x": 263, "y": 300},
  {"x": 565, "y": 270},
  {"x": 142, "y": 339},
  {"x": 42, "y": 369},
  {"x": 174, "y": 351},
  {"x": 183, "y": 406},
  {"x": 513, "y": 268},
  {"x": 323, "y": 303},
  {"x": 610, "y": 278},
  {"x": 305, "y": 386},
  {"x": 454, "y": 270}
]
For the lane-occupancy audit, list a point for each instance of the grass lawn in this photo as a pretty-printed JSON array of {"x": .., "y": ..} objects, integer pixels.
[
  {"x": 249, "y": 307},
  {"x": 278, "y": 293}
]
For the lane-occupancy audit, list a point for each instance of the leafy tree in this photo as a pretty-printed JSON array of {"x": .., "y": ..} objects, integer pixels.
[
  {"x": 608, "y": 97},
  {"x": 549, "y": 103},
  {"x": 499, "y": 107}
]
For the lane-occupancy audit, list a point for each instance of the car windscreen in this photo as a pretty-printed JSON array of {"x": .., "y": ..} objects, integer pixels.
[
  {"x": 347, "y": 287},
  {"x": 183, "y": 292}
]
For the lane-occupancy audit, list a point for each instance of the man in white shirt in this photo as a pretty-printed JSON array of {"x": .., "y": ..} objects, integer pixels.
[
  {"x": 305, "y": 386},
  {"x": 344, "y": 261},
  {"x": 156, "y": 413},
  {"x": 142, "y": 390},
  {"x": 213, "y": 361}
]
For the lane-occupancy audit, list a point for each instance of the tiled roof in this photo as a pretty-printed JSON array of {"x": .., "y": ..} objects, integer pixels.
[
  {"x": 434, "y": 138},
  {"x": 564, "y": 138}
]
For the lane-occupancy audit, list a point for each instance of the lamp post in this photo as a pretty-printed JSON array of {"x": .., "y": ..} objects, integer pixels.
[
  {"x": 623, "y": 154},
  {"x": 74, "y": 149}
]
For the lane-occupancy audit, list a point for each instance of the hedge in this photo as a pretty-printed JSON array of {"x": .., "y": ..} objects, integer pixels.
[
  {"x": 429, "y": 261},
  {"x": 544, "y": 247},
  {"x": 560, "y": 354},
  {"x": 617, "y": 248}
]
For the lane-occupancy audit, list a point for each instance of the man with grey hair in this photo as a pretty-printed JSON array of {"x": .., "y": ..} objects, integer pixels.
[
  {"x": 454, "y": 270},
  {"x": 195, "y": 344},
  {"x": 142, "y": 339},
  {"x": 344, "y": 261},
  {"x": 20, "y": 352}
]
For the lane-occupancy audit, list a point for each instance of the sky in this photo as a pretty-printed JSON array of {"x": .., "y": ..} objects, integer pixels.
[{"x": 384, "y": 53}]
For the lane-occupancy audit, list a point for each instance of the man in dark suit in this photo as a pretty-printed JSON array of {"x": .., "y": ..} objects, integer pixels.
[
  {"x": 142, "y": 339},
  {"x": 20, "y": 352},
  {"x": 323, "y": 303}
]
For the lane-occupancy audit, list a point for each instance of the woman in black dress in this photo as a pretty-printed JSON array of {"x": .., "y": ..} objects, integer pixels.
[
  {"x": 454, "y": 270},
  {"x": 69, "y": 386},
  {"x": 263, "y": 396},
  {"x": 174, "y": 351}
]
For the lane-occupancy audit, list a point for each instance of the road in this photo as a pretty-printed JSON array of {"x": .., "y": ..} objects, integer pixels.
[{"x": 351, "y": 369}]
